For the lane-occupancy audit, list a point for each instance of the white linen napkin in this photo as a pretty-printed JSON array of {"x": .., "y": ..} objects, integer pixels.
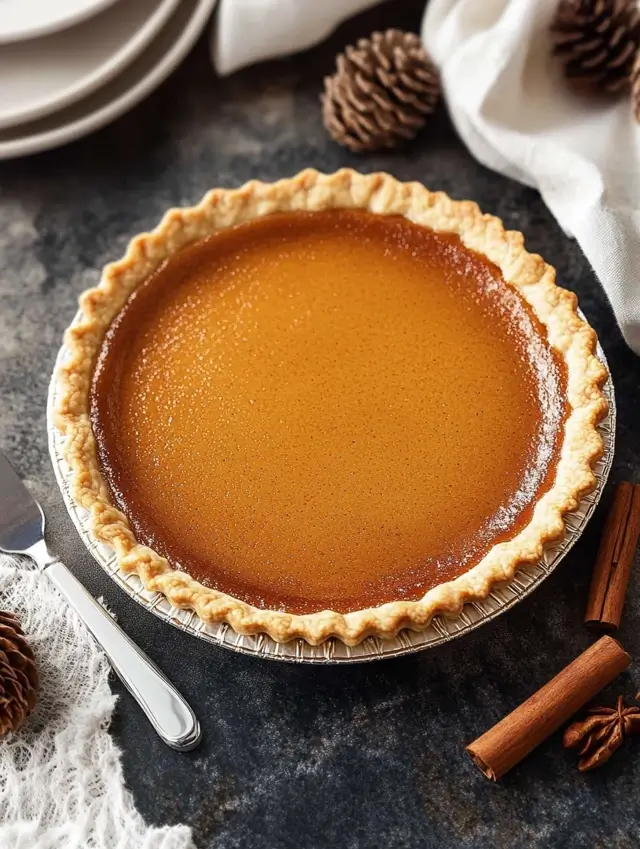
[
  {"x": 515, "y": 113},
  {"x": 248, "y": 31},
  {"x": 61, "y": 781},
  {"x": 510, "y": 105}
]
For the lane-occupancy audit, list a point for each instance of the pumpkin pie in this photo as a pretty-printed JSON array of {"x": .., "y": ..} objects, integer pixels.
[{"x": 334, "y": 405}]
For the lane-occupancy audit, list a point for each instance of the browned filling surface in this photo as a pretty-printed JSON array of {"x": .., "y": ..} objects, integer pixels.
[{"x": 327, "y": 410}]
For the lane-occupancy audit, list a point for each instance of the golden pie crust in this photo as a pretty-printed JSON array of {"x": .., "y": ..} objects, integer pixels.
[{"x": 573, "y": 339}]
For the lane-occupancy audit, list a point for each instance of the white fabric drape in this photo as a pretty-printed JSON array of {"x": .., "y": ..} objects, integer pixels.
[
  {"x": 517, "y": 115},
  {"x": 61, "y": 782}
]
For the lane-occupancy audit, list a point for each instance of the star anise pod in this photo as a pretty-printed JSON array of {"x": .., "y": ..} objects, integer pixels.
[{"x": 601, "y": 733}]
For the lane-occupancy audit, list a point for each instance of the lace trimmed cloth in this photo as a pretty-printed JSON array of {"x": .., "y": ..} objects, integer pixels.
[{"x": 61, "y": 781}]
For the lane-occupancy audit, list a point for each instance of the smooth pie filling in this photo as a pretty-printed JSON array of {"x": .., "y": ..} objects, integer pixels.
[{"x": 327, "y": 410}]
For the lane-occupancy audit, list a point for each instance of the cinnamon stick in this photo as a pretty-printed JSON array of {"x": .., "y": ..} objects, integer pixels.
[
  {"x": 615, "y": 559},
  {"x": 508, "y": 742}
]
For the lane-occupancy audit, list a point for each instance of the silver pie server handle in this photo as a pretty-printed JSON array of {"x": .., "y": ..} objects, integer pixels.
[{"x": 165, "y": 708}]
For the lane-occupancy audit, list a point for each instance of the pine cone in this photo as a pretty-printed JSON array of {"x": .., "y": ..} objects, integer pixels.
[
  {"x": 635, "y": 87},
  {"x": 18, "y": 676},
  {"x": 597, "y": 40},
  {"x": 381, "y": 93}
]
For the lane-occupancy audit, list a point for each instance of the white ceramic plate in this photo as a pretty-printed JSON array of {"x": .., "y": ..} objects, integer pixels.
[
  {"x": 41, "y": 75},
  {"x": 106, "y": 104},
  {"x": 21, "y": 19}
]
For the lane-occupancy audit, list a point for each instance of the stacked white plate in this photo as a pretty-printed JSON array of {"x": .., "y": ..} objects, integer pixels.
[{"x": 70, "y": 66}]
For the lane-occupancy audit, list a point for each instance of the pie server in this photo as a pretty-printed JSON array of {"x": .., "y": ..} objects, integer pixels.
[{"x": 22, "y": 532}]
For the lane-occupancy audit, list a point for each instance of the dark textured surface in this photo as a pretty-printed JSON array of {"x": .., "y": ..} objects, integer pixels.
[{"x": 358, "y": 757}]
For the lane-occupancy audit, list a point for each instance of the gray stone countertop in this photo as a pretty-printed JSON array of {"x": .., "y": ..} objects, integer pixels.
[{"x": 295, "y": 756}]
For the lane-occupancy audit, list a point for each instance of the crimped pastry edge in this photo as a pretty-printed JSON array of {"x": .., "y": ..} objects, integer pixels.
[{"x": 310, "y": 190}]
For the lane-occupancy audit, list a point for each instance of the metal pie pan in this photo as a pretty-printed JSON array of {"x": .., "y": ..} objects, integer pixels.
[{"x": 441, "y": 629}]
